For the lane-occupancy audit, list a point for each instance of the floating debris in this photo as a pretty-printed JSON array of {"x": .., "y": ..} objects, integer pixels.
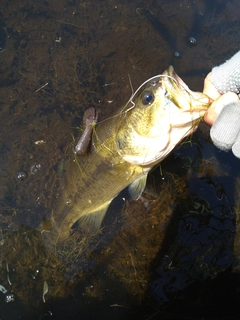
[
  {"x": 1, "y": 238},
  {"x": 42, "y": 87},
  {"x": 36, "y": 167},
  {"x": 38, "y": 142},
  {"x": 9, "y": 297},
  {"x": 8, "y": 279},
  {"x": 3, "y": 289},
  {"x": 45, "y": 290}
]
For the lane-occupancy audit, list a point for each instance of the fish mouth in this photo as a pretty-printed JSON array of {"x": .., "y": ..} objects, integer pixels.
[
  {"x": 171, "y": 73},
  {"x": 173, "y": 83}
]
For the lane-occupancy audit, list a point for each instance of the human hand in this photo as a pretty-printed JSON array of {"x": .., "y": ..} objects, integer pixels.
[
  {"x": 224, "y": 116},
  {"x": 219, "y": 100}
]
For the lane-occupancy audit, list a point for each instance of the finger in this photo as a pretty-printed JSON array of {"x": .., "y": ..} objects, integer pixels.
[
  {"x": 209, "y": 89},
  {"x": 236, "y": 147},
  {"x": 217, "y": 106},
  {"x": 225, "y": 130}
]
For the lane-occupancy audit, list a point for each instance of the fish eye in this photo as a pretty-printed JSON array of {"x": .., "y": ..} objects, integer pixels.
[{"x": 147, "y": 97}]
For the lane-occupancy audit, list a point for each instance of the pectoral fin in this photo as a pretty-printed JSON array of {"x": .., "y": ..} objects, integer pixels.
[
  {"x": 137, "y": 187},
  {"x": 91, "y": 222}
]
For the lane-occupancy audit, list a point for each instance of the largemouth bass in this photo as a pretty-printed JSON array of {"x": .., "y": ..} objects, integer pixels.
[{"x": 124, "y": 148}]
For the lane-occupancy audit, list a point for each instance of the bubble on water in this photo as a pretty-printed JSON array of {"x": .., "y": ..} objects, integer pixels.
[
  {"x": 192, "y": 41},
  {"x": 177, "y": 54},
  {"x": 36, "y": 167},
  {"x": 68, "y": 202},
  {"x": 9, "y": 297},
  {"x": 22, "y": 175}
]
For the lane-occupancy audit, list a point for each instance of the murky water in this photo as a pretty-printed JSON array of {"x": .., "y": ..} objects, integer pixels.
[{"x": 174, "y": 259}]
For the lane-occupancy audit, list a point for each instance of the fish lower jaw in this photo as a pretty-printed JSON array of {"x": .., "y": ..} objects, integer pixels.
[{"x": 187, "y": 119}]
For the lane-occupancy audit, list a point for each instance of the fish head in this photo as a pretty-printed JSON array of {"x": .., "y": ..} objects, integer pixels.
[{"x": 157, "y": 117}]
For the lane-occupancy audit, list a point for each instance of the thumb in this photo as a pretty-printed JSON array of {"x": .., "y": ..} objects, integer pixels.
[{"x": 217, "y": 106}]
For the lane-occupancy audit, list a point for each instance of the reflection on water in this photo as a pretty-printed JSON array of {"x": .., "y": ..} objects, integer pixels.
[
  {"x": 206, "y": 229},
  {"x": 56, "y": 59}
]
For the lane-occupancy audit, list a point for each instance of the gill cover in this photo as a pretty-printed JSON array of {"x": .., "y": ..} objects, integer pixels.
[
  {"x": 143, "y": 129},
  {"x": 161, "y": 112}
]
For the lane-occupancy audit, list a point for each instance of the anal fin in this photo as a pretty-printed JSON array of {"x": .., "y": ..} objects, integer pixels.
[
  {"x": 91, "y": 222},
  {"x": 137, "y": 187}
]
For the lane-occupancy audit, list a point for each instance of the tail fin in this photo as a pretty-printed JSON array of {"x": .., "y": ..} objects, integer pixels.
[
  {"x": 50, "y": 235},
  {"x": 50, "y": 238}
]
